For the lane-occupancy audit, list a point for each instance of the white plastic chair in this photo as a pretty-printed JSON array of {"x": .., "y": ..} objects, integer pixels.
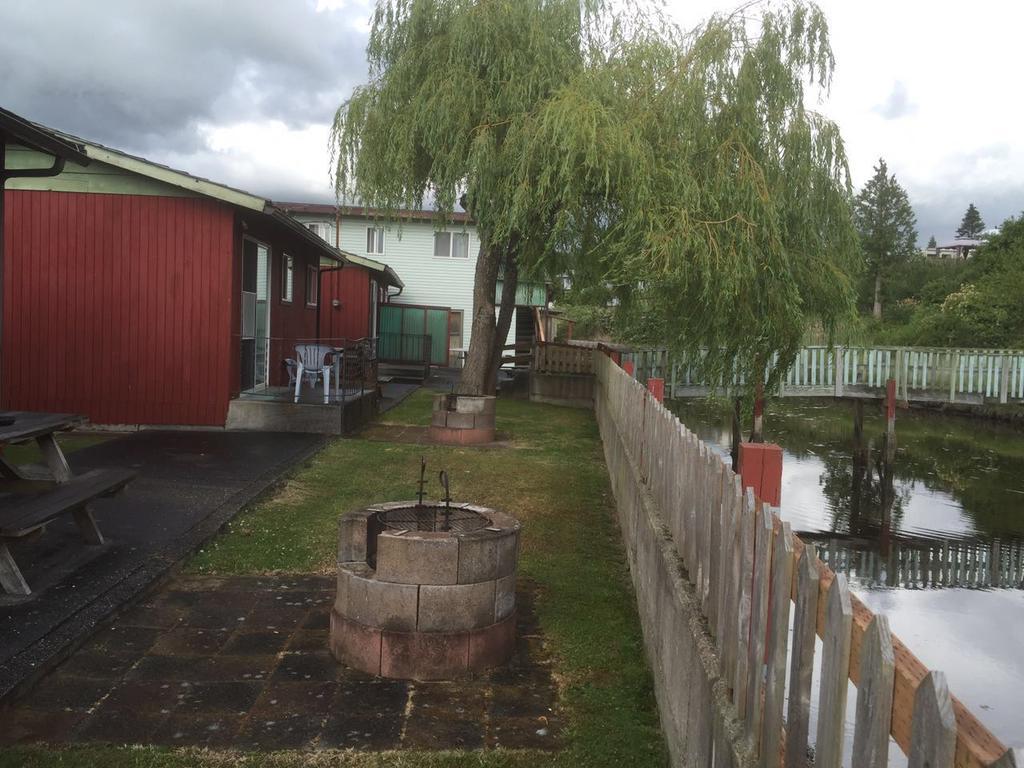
[{"x": 313, "y": 360}]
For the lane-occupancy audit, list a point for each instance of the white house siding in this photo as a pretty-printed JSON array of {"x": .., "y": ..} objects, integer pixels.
[{"x": 409, "y": 250}]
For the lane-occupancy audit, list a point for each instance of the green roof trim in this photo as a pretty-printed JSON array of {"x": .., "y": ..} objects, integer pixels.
[
  {"x": 527, "y": 294},
  {"x": 176, "y": 178},
  {"x": 200, "y": 186}
]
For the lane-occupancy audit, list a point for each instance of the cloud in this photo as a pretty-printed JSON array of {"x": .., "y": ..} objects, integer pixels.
[
  {"x": 897, "y": 104},
  {"x": 243, "y": 91},
  {"x": 940, "y": 212},
  {"x": 145, "y": 77}
]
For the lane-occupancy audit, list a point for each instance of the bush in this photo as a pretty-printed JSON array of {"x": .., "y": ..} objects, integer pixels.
[{"x": 974, "y": 303}]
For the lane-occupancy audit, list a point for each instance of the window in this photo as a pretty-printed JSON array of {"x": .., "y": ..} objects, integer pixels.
[
  {"x": 311, "y": 286},
  {"x": 320, "y": 229},
  {"x": 451, "y": 245},
  {"x": 375, "y": 239},
  {"x": 287, "y": 279}
]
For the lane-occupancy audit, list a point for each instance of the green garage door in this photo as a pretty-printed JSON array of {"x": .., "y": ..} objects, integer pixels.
[
  {"x": 437, "y": 330},
  {"x": 404, "y": 330}
]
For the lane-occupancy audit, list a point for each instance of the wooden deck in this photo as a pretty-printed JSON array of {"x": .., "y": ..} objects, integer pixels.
[{"x": 274, "y": 411}]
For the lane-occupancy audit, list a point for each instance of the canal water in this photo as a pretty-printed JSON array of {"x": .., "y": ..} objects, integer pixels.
[{"x": 935, "y": 540}]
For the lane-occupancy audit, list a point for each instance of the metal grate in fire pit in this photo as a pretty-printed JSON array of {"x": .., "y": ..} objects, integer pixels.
[{"x": 432, "y": 518}]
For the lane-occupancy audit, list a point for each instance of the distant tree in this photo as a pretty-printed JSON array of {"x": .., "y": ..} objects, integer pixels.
[
  {"x": 886, "y": 224},
  {"x": 681, "y": 168},
  {"x": 932, "y": 243},
  {"x": 971, "y": 226}
]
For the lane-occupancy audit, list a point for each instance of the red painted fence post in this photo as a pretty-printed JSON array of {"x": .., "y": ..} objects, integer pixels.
[
  {"x": 761, "y": 469},
  {"x": 628, "y": 367},
  {"x": 656, "y": 387}
]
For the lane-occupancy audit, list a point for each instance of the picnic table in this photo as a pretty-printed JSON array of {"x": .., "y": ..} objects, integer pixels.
[
  {"x": 23, "y": 514},
  {"x": 41, "y": 427}
]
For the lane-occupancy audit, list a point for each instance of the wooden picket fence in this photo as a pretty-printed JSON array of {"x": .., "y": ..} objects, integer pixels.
[
  {"x": 554, "y": 357},
  {"x": 747, "y": 573}
]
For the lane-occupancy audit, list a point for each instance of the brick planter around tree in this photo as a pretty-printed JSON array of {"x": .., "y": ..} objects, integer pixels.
[
  {"x": 463, "y": 419},
  {"x": 414, "y": 602}
]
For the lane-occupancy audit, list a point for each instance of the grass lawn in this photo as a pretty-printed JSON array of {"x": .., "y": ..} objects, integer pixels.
[
  {"x": 29, "y": 453},
  {"x": 553, "y": 479}
]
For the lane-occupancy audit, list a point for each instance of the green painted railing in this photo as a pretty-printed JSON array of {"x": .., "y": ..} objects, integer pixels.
[{"x": 922, "y": 373}]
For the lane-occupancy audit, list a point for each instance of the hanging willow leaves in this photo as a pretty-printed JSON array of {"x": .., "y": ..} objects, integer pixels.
[{"x": 599, "y": 140}]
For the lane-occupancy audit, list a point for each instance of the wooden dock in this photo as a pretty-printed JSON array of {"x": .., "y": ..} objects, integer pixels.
[{"x": 923, "y": 375}]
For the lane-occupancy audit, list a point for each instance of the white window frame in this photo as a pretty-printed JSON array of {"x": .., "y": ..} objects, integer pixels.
[
  {"x": 312, "y": 281},
  {"x": 287, "y": 279},
  {"x": 451, "y": 244},
  {"x": 378, "y": 241}
]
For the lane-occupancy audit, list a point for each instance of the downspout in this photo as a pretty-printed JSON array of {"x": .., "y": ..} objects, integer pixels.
[
  {"x": 341, "y": 368},
  {"x": 5, "y": 174}
]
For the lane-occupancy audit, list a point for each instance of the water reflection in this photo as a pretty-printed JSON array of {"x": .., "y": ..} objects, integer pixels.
[
  {"x": 921, "y": 564},
  {"x": 944, "y": 485},
  {"x": 930, "y": 531}
]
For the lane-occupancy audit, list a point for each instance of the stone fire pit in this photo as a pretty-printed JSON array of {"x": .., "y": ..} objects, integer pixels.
[
  {"x": 463, "y": 419},
  {"x": 425, "y": 591}
]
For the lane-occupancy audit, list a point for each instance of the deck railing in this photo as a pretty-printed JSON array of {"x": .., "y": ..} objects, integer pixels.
[
  {"x": 270, "y": 362},
  {"x": 718, "y": 576},
  {"x": 964, "y": 375}
]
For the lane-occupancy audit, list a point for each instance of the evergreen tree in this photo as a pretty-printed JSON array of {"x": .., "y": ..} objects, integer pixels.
[
  {"x": 680, "y": 167},
  {"x": 971, "y": 226},
  {"x": 931, "y": 242},
  {"x": 885, "y": 222}
]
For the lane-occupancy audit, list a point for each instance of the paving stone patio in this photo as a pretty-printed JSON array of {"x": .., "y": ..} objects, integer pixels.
[{"x": 242, "y": 662}]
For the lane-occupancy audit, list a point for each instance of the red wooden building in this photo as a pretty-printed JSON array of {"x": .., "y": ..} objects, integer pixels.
[
  {"x": 352, "y": 297},
  {"x": 137, "y": 294}
]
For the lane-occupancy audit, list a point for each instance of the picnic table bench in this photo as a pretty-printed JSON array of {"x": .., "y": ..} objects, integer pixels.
[{"x": 21, "y": 515}]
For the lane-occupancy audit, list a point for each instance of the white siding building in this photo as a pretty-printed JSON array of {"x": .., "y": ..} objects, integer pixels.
[{"x": 437, "y": 265}]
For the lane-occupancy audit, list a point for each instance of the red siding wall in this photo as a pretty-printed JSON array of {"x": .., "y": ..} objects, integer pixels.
[
  {"x": 118, "y": 307},
  {"x": 350, "y": 286}
]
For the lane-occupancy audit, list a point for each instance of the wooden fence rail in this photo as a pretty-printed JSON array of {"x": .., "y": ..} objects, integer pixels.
[
  {"x": 970, "y": 376},
  {"x": 717, "y": 575}
]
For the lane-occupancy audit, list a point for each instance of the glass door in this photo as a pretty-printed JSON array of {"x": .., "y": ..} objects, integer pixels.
[{"x": 255, "y": 341}]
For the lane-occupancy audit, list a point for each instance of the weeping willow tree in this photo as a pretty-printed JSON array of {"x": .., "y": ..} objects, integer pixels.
[{"x": 585, "y": 138}]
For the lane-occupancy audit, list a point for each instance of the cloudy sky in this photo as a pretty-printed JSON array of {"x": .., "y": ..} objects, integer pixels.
[{"x": 243, "y": 91}]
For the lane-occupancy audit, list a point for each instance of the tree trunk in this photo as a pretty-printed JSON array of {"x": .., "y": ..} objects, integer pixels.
[
  {"x": 509, "y": 282},
  {"x": 475, "y": 376},
  {"x": 757, "y": 432},
  {"x": 878, "y": 295}
]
